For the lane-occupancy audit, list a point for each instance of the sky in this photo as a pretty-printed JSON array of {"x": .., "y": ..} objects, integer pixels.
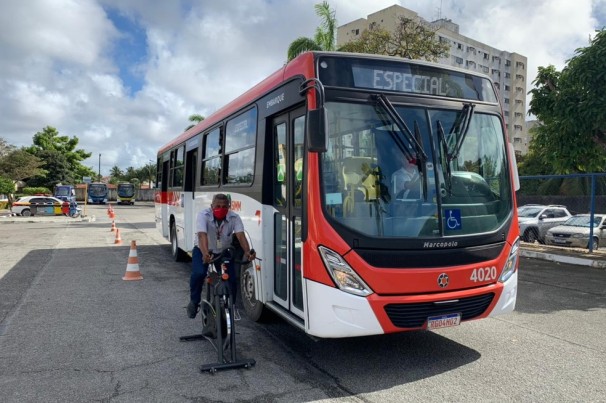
[{"x": 123, "y": 76}]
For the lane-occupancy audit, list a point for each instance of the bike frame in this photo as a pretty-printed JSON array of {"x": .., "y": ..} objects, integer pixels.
[{"x": 218, "y": 298}]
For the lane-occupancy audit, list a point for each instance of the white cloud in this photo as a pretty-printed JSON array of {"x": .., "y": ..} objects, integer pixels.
[{"x": 56, "y": 69}]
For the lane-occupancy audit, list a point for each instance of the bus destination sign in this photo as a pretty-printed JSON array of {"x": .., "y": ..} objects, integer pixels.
[
  {"x": 418, "y": 79},
  {"x": 405, "y": 82},
  {"x": 405, "y": 77}
]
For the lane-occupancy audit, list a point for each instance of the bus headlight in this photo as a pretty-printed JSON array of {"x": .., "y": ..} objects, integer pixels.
[
  {"x": 343, "y": 275},
  {"x": 512, "y": 262}
]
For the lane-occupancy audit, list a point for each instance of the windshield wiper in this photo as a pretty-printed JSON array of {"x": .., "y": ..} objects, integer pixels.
[
  {"x": 442, "y": 137},
  {"x": 395, "y": 117},
  {"x": 461, "y": 127}
]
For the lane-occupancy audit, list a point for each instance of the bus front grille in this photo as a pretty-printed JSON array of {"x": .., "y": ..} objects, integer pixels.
[{"x": 415, "y": 315}]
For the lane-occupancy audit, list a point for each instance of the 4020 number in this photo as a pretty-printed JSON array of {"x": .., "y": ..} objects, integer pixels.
[{"x": 483, "y": 274}]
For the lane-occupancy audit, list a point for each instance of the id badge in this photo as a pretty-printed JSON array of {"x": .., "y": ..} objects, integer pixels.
[{"x": 219, "y": 244}]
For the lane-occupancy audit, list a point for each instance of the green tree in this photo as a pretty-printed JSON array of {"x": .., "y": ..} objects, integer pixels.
[
  {"x": 195, "y": 119},
  {"x": 116, "y": 174},
  {"x": 410, "y": 39},
  {"x": 570, "y": 106},
  {"x": 48, "y": 144},
  {"x": 130, "y": 174},
  {"x": 7, "y": 187},
  {"x": 324, "y": 38},
  {"x": 20, "y": 165}
]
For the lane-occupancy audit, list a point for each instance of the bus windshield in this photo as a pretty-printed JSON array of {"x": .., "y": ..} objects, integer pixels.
[
  {"x": 425, "y": 172},
  {"x": 126, "y": 190},
  {"x": 97, "y": 189}
]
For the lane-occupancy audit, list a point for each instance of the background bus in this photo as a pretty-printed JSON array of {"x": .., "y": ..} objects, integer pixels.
[
  {"x": 126, "y": 193},
  {"x": 97, "y": 193},
  {"x": 65, "y": 192},
  {"x": 307, "y": 157}
]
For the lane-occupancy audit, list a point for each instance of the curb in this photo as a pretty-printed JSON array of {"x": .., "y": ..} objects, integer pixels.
[{"x": 553, "y": 257}]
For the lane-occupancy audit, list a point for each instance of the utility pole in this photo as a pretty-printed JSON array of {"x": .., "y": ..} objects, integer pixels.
[{"x": 99, "y": 167}]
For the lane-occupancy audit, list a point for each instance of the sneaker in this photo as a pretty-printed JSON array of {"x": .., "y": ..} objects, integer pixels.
[
  {"x": 192, "y": 309},
  {"x": 237, "y": 314}
]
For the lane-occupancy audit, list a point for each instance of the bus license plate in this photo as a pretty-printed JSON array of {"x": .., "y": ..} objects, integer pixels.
[{"x": 442, "y": 321}]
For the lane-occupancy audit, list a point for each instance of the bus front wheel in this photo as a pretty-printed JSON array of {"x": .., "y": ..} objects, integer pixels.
[
  {"x": 253, "y": 307},
  {"x": 175, "y": 251}
]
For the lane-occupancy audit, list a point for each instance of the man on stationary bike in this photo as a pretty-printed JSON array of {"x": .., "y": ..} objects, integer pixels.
[{"x": 214, "y": 228}]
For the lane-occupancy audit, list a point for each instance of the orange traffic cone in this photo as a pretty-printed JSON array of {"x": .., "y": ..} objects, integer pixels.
[
  {"x": 113, "y": 226},
  {"x": 109, "y": 209},
  {"x": 118, "y": 240},
  {"x": 132, "y": 268},
  {"x": 112, "y": 215}
]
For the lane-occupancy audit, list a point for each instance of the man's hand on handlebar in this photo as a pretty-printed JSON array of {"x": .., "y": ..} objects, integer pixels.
[
  {"x": 250, "y": 256},
  {"x": 207, "y": 257}
]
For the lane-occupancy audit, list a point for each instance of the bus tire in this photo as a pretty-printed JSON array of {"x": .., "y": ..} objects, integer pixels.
[
  {"x": 253, "y": 307},
  {"x": 176, "y": 252}
]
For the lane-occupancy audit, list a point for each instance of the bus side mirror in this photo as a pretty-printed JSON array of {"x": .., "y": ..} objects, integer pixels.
[{"x": 316, "y": 130}]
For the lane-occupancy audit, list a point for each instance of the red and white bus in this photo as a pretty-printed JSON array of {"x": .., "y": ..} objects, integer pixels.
[{"x": 307, "y": 157}]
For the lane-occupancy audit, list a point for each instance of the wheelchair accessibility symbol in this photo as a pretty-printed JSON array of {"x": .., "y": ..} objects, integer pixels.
[{"x": 453, "y": 219}]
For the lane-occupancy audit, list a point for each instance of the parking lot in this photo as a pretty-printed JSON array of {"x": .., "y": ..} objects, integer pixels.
[{"x": 72, "y": 330}]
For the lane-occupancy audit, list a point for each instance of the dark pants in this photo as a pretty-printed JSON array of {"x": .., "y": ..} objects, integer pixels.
[{"x": 198, "y": 274}]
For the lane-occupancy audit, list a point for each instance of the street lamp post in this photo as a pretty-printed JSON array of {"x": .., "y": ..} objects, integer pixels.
[{"x": 99, "y": 167}]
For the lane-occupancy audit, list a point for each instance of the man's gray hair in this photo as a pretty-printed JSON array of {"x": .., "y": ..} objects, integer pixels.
[{"x": 222, "y": 197}]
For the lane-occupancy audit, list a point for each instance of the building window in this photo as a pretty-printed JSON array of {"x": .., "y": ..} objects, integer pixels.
[
  {"x": 507, "y": 88},
  {"x": 486, "y": 56},
  {"x": 506, "y": 113},
  {"x": 520, "y": 65},
  {"x": 507, "y": 75},
  {"x": 471, "y": 49},
  {"x": 519, "y": 114},
  {"x": 518, "y": 101},
  {"x": 519, "y": 89},
  {"x": 519, "y": 77},
  {"x": 507, "y": 62},
  {"x": 506, "y": 100},
  {"x": 518, "y": 128},
  {"x": 497, "y": 85},
  {"x": 458, "y": 60},
  {"x": 471, "y": 63},
  {"x": 496, "y": 59},
  {"x": 460, "y": 46}
]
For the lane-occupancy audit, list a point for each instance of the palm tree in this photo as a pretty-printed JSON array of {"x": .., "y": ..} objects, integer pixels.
[
  {"x": 195, "y": 118},
  {"x": 325, "y": 33}
]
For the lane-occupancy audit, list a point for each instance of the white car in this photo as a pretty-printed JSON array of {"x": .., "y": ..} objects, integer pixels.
[
  {"x": 535, "y": 219},
  {"x": 575, "y": 232},
  {"x": 37, "y": 205}
]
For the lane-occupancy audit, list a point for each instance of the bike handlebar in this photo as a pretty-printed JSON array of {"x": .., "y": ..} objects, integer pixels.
[{"x": 231, "y": 250}]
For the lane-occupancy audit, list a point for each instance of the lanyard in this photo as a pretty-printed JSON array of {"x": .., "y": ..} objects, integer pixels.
[{"x": 219, "y": 228}]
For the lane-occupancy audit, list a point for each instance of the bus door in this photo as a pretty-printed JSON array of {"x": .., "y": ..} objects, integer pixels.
[
  {"x": 188, "y": 196},
  {"x": 161, "y": 197},
  {"x": 288, "y": 135}
]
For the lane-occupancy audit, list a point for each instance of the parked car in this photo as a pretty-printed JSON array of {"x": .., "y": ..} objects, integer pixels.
[
  {"x": 535, "y": 219},
  {"x": 575, "y": 232},
  {"x": 37, "y": 205}
]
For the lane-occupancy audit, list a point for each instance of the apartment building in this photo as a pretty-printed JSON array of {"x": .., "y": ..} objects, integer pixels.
[{"x": 507, "y": 69}]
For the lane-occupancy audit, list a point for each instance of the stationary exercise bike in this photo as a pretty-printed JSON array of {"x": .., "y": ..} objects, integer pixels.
[{"x": 217, "y": 312}]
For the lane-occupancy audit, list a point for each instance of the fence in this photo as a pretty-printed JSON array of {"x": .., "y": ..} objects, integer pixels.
[{"x": 580, "y": 193}]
